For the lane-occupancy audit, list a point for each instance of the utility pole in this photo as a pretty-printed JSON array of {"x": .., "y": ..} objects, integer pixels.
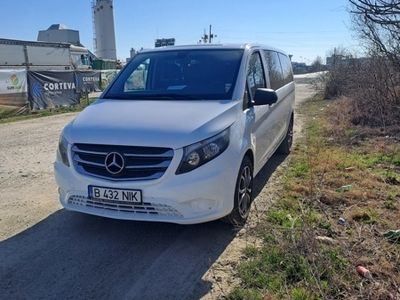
[
  {"x": 207, "y": 38},
  {"x": 210, "y": 35},
  {"x": 204, "y": 38}
]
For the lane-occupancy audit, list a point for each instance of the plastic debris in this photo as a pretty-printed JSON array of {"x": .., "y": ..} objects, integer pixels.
[
  {"x": 345, "y": 188},
  {"x": 350, "y": 169},
  {"x": 326, "y": 240},
  {"x": 364, "y": 272},
  {"x": 341, "y": 221},
  {"x": 392, "y": 235}
]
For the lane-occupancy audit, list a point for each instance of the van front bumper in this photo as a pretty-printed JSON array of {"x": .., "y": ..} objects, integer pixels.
[{"x": 202, "y": 195}]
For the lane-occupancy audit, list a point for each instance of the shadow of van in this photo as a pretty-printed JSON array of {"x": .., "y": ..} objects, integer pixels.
[{"x": 71, "y": 255}]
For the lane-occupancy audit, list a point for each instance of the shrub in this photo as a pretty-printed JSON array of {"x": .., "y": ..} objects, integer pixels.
[{"x": 371, "y": 88}]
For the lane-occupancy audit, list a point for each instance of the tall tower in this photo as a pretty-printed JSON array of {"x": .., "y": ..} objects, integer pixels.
[{"x": 104, "y": 31}]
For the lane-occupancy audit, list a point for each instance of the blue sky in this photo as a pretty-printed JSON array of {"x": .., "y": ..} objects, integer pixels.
[{"x": 304, "y": 28}]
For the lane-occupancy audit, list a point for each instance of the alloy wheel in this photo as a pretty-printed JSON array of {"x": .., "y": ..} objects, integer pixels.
[{"x": 245, "y": 191}]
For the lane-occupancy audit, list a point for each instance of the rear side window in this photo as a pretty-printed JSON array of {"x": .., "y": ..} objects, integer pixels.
[
  {"x": 286, "y": 68},
  {"x": 274, "y": 69},
  {"x": 255, "y": 74}
]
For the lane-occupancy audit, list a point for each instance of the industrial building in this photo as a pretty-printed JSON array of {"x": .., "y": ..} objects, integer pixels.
[
  {"x": 104, "y": 43},
  {"x": 104, "y": 30},
  {"x": 43, "y": 55},
  {"x": 59, "y": 47},
  {"x": 59, "y": 33}
]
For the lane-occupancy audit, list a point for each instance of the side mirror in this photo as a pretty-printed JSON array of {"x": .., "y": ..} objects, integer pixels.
[{"x": 265, "y": 97}]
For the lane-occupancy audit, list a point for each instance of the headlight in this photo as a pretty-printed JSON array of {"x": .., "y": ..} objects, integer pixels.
[
  {"x": 202, "y": 152},
  {"x": 63, "y": 150}
]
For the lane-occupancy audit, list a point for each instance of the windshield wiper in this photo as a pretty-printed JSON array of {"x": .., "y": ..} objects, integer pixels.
[
  {"x": 164, "y": 97},
  {"x": 169, "y": 97},
  {"x": 155, "y": 97}
]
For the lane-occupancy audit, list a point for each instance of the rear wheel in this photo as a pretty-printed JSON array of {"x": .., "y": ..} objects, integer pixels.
[
  {"x": 286, "y": 145},
  {"x": 243, "y": 194}
]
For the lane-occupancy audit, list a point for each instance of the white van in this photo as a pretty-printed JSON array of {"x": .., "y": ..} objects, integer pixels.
[{"x": 179, "y": 135}]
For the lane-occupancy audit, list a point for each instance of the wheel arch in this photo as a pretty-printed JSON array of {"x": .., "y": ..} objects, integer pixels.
[{"x": 249, "y": 153}]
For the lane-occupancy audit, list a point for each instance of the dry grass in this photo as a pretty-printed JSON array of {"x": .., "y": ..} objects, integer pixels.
[
  {"x": 370, "y": 91},
  {"x": 292, "y": 264},
  {"x": 7, "y": 111},
  {"x": 342, "y": 129},
  {"x": 14, "y": 114}
]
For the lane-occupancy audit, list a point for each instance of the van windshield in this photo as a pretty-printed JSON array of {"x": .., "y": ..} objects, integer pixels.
[{"x": 179, "y": 75}]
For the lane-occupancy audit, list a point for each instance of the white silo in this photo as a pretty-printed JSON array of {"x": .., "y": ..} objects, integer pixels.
[{"x": 104, "y": 31}]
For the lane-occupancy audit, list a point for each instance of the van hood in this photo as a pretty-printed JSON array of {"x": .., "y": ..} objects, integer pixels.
[{"x": 172, "y": 124}]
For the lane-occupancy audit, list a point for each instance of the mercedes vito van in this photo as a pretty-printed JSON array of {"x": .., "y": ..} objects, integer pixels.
[{"x": 179, "y": 135}]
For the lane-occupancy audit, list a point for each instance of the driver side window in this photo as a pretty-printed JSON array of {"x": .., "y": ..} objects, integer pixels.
[
  {"x": 255, "y": 74},
  {"x": 138, "y": 79}
]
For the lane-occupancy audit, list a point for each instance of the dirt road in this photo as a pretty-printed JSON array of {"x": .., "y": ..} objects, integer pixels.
[{"x": 48, "y": 252}]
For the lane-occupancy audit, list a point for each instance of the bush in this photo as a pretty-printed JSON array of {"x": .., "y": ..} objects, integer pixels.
[{"x": 371, "y": 87}]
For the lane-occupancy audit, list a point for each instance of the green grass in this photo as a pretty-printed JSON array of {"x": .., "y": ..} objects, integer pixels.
[
  {"x": 367, "y": 216},
  {"x": 7, "y": 111},
  {"x": 245, "y": 294},
  {"x": 250, "y": 251},
  {"x": 8, "y": 114},
  {"x": 299, "y": 169},
  {"x": 301, "y": 294},
  {"x": 370, "y": 160}
]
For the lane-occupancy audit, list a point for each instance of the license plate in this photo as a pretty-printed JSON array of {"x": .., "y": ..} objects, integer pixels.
[{"x": 103, "y": 193}]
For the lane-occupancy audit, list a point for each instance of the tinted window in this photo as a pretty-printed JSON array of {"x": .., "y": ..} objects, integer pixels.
[
  {"x": 255, "y": 74},
  {"x": 179, "y": 74},
  {"x": 286, "y": 68},
  {"x": 274, "y": 69}
]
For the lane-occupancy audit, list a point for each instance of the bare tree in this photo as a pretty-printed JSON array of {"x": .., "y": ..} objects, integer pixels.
[
  {"x": 370, "y": 86},
  {"x": 317, "y": 64},
  {"x": 378, "y": 22},
  {"x": 340, "y": 73}
]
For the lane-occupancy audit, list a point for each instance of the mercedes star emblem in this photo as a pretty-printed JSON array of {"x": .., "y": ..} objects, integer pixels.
[{"x": 114, "y": 163}]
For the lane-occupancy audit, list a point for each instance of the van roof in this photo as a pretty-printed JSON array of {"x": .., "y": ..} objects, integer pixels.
[{"x": 213, "y": 46}]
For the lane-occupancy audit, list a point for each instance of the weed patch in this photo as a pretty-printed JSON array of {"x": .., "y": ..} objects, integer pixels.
[
  {"x": 11, "y": 114},
  {"x": 334, "y": 172}
]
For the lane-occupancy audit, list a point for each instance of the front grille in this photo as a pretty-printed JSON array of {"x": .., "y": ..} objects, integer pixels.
[
  {"x": 141, "y": 163},
  {"x": 120, "y": 206}
]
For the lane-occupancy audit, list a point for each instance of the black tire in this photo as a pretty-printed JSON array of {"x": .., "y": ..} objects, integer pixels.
[
  {"x": 286, "y": 145},
  {"x": 243, "y": 194}
]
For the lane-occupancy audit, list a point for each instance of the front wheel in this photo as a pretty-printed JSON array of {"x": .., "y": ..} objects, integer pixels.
[{"x": 243, "y": 194}]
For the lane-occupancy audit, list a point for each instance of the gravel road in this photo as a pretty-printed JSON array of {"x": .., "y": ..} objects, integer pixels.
[{"x": 48, "y": 252}]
